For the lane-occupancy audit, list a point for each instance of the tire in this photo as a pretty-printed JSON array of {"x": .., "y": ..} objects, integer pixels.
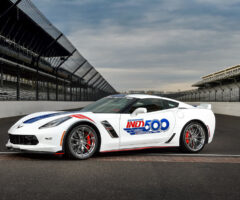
[
  {"x": 193, "y": 138},
  {"x": 82, "y": 142}
]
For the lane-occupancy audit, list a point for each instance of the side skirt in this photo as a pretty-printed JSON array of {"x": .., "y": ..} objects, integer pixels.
[{"x": 139, "y": 148}]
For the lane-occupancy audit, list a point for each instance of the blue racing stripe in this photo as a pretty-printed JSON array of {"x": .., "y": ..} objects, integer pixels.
[{"x": 34, "y": 119}]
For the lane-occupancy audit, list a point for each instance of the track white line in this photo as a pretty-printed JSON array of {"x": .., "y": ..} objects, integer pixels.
[
  {"x": 157, "y": 154},
  {"x": 192, "y": 155}
]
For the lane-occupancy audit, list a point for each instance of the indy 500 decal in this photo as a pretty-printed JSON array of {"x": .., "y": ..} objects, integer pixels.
[{"x": 138, "y": 126}]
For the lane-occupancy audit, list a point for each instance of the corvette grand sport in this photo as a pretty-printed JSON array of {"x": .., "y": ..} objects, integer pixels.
[{"x": 115, "y": 123}]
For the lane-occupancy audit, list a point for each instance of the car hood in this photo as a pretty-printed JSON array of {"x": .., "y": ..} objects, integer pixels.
[
  {"x": 45, "y": 117},
  {"x": 36, "y": 120}
]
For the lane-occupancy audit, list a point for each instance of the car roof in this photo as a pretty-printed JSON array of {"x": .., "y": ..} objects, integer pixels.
[{"x": 141, "y": 96}]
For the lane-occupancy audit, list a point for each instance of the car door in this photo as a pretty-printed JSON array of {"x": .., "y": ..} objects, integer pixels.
[{"x": 146, "y": 129}]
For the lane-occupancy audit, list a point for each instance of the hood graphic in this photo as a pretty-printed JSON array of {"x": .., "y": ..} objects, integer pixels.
[{"x": 35, "y": 119}]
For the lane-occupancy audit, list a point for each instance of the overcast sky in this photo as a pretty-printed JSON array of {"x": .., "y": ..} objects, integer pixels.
[{"x": 151, "y": 44}]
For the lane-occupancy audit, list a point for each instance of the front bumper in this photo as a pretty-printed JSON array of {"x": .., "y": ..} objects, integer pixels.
[
  {"x": 37, "y": 148},
  {"x": 30, "y": 138}
]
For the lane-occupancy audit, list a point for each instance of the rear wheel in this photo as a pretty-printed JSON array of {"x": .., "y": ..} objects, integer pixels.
[
  {"x": 82, "y": 142},
  {"x": 193, "y": 138}
]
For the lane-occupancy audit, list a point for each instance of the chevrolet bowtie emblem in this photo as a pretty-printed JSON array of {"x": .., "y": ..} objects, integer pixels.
[{"x": 20, "y": 126}]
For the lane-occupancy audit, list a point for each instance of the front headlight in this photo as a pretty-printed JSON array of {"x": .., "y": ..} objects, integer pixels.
[{"x": 55, "y": 122}]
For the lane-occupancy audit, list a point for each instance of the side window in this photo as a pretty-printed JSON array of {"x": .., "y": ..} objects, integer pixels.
[
  {"x": 150, "y": 104},
  {"x": 170, "y": 104},
  {"x": 153, "y": 105}
]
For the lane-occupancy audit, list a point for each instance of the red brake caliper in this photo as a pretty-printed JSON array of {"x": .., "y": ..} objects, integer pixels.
[
  {"x": 187, "y": 137},
  {"x": 88, "y": 141}
]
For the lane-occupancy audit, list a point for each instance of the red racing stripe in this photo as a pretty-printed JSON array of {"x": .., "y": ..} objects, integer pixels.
[{"x": 79, "y": 116}]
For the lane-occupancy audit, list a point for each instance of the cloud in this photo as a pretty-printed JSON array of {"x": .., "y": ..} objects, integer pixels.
[
  {"x": 141, "y": 57},
  {"x": 142, "y": 44}
]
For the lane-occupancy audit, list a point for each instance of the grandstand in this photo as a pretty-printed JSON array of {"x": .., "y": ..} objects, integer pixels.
[
  {"x": 221, "y": 86},
  {"x": 37, "y": 62}
]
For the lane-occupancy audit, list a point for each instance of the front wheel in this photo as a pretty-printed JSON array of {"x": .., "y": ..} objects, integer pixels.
[
  {"x": 82, "y": 142},
  {"x": 193, "y": 138}
]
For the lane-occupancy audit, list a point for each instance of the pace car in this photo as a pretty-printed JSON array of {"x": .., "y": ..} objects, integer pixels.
[{"x": 116, "y": 123}]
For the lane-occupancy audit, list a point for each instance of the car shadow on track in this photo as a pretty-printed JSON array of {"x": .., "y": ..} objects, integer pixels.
[{"x": 140, "y": 153}]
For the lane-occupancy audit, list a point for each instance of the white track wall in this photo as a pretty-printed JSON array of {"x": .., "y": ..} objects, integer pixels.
[
  {"x": 16, "y": 108},
  {"x": 224, "y": 108}
]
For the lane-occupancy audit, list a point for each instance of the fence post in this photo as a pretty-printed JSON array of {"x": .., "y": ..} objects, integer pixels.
[
  {"x": 37, "y": 86},
  {"x": 76, "y": 93},
  {"x": 215, "y": 95},
  {"x": 64, "y": 90},
  {"x": 1, "y": 75},
  {"x": 18, "y": 83},
  {"x": 230, "y": 94},
  {"x": 80, "y": 92},
  {"x": 48, "y": 96},
  {"x": 238, "y": 86},
  {"x": 222, "y": 93},
  {"x": 238, "y": 92},
  {"x": 56, "y": 92},
  {"x": 71, "y": 91}
]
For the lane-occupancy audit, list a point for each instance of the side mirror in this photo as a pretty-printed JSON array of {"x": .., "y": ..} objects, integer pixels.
[{"x": 139, "y": 111}]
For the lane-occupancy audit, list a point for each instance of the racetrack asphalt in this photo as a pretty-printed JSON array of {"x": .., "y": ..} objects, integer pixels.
[{"x": 145, "y": 174}]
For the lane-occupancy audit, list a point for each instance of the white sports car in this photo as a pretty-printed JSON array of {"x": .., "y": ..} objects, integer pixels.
[{"x": 115, "y": 123}]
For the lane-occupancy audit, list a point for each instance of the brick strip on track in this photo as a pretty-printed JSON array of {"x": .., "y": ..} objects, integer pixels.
[
  {"x": 185, "y": 159},
  {"x": 13, "y": 157},
  {"x": 142, "y": 158}
]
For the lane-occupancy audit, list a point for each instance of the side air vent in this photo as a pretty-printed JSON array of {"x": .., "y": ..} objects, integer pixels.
[
  {"x": 109, "y": 129},
  {"x": 170, "y": 139}
]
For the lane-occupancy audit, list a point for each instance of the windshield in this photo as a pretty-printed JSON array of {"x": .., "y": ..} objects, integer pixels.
[{"x": 108, "y": 105}]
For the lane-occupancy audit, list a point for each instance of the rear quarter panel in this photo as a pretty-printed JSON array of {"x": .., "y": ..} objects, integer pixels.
[{"x": 184, "y": 116}]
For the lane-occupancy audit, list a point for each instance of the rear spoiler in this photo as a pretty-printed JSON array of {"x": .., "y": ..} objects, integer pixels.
[{"x": 205, "y": 106}]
